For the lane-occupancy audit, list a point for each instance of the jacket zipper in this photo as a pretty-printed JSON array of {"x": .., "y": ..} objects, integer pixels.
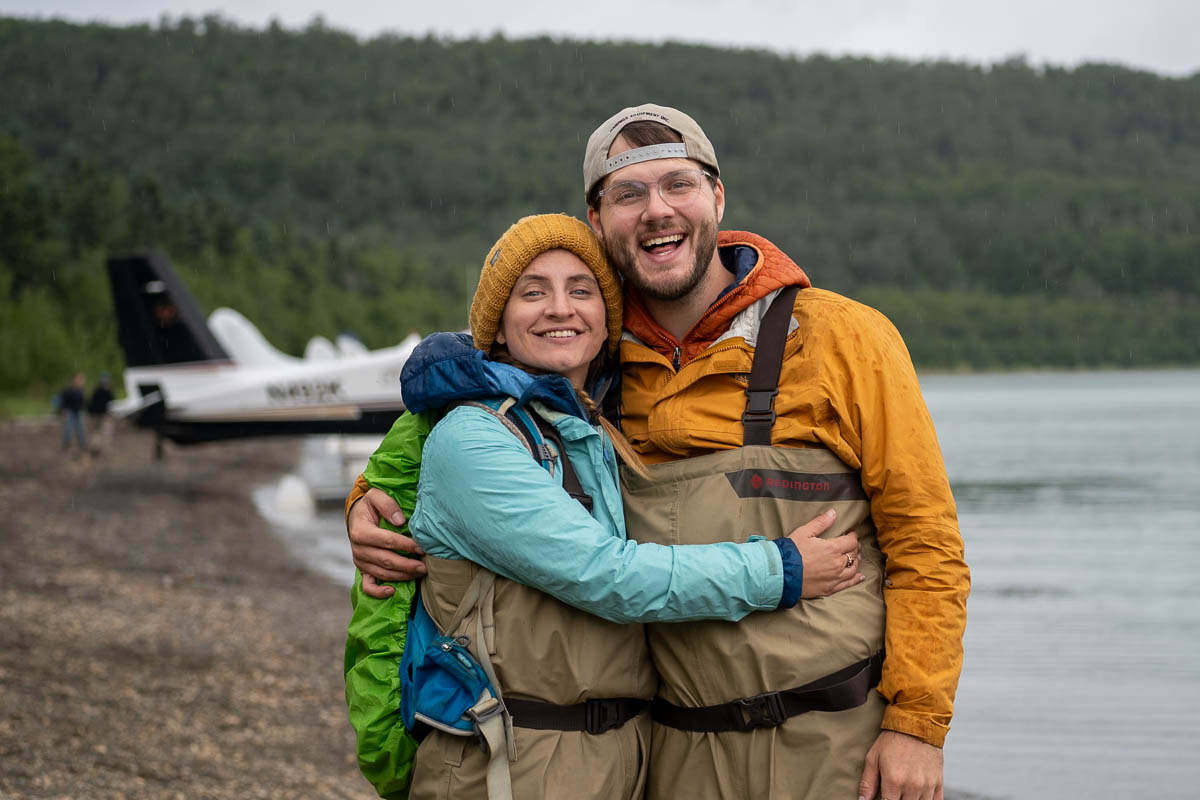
[{"x": 710, "y": 351}]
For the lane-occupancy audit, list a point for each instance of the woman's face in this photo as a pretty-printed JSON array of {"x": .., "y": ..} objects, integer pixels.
[{"x": 554, "y": 319}]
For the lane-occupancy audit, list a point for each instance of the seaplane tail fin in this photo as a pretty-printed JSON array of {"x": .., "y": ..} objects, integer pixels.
[{"x": 158, "y": 320}]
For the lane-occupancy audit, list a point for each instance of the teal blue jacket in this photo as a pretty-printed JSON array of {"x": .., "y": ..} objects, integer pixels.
[{"x": 482, "y": 498}]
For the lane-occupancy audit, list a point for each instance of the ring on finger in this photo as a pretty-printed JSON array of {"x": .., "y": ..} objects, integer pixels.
[{"x": 849, "y": 560}]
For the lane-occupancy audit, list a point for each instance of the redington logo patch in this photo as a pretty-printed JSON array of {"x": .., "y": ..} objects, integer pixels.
[{"x": 800, "y": 486}]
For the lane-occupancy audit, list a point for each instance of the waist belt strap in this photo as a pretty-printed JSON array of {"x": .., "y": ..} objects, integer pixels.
[
  {"x": 845, "y": 689},
  {"x": 593, "y": 716}
]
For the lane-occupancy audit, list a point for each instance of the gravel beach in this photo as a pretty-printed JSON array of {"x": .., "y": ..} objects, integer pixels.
[{"x": 156, "y": 641}]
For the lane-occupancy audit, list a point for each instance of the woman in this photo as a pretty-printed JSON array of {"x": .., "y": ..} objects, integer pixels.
[{"x": 547, "y": 314}]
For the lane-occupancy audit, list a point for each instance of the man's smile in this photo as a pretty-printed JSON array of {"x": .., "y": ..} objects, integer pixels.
[{"x": 662, "y": 244}]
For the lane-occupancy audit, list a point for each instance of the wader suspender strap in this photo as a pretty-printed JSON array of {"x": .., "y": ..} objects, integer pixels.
[
  {"x": 845, "y": 689},
  {"x": 759, "y": 416}
]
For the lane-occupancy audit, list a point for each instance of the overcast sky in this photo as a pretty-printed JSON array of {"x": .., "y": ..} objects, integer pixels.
[{"x": 1158, "y": 35}]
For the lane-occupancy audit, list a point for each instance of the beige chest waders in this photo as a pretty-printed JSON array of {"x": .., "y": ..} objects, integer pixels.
[
  {"x": 574, "y": 688},
  {"x": 781, "y": 704}
]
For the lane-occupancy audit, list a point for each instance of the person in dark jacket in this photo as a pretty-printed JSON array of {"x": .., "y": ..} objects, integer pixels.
[
  {"x": 70, "y": 407},
  {"x": 97, "y": 408}
]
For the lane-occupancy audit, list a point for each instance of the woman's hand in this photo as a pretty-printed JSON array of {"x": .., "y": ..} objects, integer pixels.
[{"x": 830, "y": 565}]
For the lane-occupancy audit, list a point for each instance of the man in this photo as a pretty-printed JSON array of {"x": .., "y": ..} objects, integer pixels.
[
  {"x": 775, "y": 706},
  {"x": 70, "y": 402}
]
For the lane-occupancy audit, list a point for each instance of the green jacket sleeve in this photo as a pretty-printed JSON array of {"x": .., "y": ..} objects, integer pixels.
[{"x": 378, "y": 628}]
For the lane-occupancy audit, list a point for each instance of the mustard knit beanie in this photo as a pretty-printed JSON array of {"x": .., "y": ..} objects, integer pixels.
[{"x": 527, "y": 239}]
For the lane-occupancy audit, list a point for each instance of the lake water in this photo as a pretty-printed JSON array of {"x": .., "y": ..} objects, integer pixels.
[{"x": 1079, "y": 501}]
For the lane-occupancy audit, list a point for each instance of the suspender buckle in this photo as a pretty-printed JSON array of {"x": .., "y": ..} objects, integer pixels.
[
  {"x": 760, "y": 407},
  {"x": 762, "y": 711}
]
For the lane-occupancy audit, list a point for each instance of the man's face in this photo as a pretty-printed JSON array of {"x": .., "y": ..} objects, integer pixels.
[{"x": 664, "y": 249}]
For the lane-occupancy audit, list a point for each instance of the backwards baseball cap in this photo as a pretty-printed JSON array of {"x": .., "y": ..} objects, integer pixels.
[{"x": 695, "y": 145}]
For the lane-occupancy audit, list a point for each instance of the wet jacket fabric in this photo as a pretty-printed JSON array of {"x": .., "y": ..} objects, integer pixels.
[{"x": 847, "y": 384}]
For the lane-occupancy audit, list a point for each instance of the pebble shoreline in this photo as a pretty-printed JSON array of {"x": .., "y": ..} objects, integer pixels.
[{"x": 156, "y": 641}]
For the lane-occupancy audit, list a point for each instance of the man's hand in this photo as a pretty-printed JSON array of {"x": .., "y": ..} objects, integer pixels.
[
  {"x": 830, "y": 565},
  {"x": 376, "y": 550},
  {"x": 901, "y": 767}
]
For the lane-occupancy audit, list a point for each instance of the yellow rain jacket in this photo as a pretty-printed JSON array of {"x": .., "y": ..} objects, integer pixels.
[{"x": 848, "y": 384}]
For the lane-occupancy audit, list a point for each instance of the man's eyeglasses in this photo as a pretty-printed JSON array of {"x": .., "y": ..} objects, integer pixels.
[{"x": 675, "y": 188}]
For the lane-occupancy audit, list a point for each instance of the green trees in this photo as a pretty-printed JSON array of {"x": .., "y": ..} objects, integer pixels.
[
  {"x": 56, "y": 311},
  {"x": 318, "y": 183}
]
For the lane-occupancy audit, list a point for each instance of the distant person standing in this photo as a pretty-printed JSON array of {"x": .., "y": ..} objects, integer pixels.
[
  {"x": 70, "y": 406},
  {"x": 97, "y": 409}
]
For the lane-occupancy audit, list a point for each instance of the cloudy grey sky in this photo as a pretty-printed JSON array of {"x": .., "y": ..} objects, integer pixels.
[{"x": 1157, "y": 35}]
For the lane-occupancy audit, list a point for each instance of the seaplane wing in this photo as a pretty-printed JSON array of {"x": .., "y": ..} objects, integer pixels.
[{"x": 194, "y": 380}]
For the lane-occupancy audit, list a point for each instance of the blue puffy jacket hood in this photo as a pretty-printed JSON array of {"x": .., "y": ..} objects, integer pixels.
[{"x": 446, "y": 367}]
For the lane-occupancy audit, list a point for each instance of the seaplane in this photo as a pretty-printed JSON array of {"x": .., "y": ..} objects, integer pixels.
[{"x": 195, "y": 380}]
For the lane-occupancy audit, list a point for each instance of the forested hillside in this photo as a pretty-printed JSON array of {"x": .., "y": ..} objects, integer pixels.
[{"x": 1008, "y": 215}]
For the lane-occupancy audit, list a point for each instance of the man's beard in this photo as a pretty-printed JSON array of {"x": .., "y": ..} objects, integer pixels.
[{"x": 623, "y": 256}]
